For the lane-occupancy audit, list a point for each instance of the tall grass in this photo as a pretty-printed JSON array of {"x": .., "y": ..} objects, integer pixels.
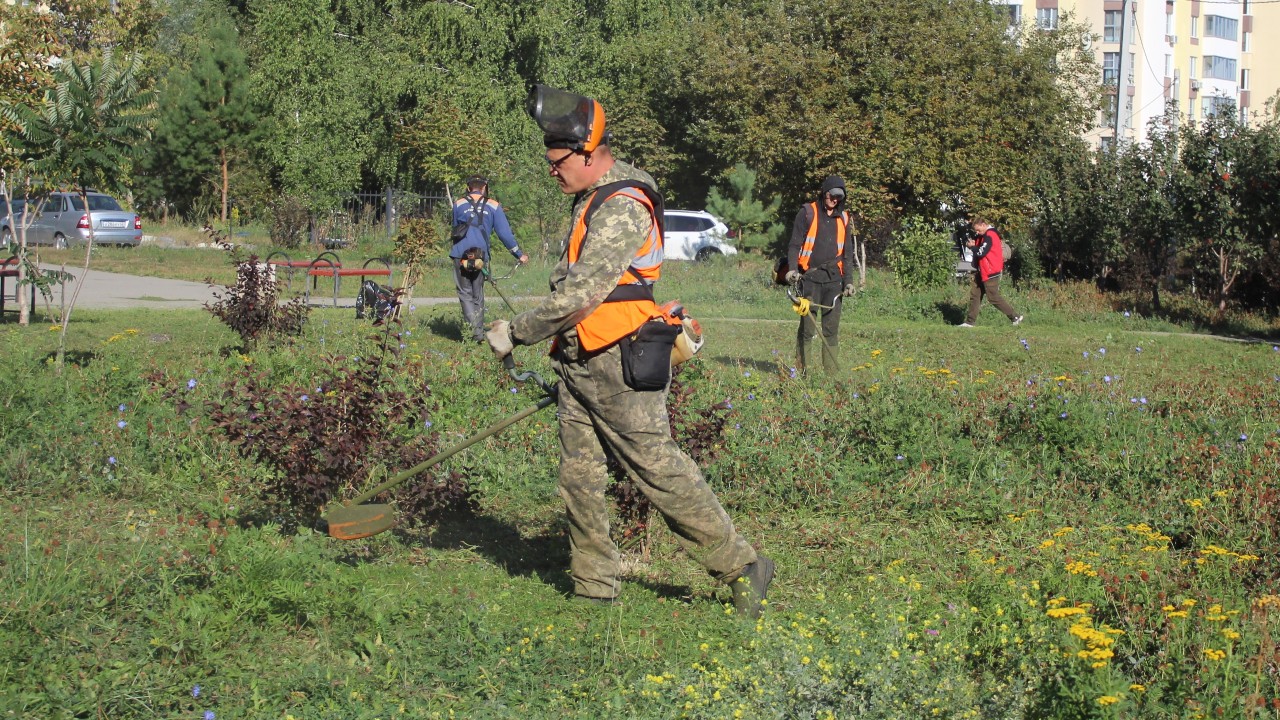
[{"x": 1075, "y": 518}]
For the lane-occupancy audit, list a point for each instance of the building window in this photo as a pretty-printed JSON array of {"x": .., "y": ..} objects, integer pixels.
[
  {"x": 1047, "y": 18},
  {"x": 1015, "y": 14},
  {"x": 1106, "y": 144},
  {"x": 1110, "y": 108},
  {"x": 1246, "y": 42},
  {"x": 1217, "y": 26},
  {"x": 1194, "y": 67},
  {"x": 1219, "y": 68},
  {"x": 1244, "y": 79},
  {"x": 1216, "y": 105},
  {"x": 1245, "y": 7},
  {"x": 1168, "y": 21},
  {"x": 1111, "y": 68},
  {"x": 1111, "y": 26}
]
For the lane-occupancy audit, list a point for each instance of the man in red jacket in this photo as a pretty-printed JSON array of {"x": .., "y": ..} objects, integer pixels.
[{"x": 988, "y": 255}]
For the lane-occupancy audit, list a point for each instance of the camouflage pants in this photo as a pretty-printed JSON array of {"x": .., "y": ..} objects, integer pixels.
[{"x": 600, "y": 415}]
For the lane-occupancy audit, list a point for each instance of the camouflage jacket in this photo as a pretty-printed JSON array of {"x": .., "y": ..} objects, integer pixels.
[{"x": 618, "y": 229}]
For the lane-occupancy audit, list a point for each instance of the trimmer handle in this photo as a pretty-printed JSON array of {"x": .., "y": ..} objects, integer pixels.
[{"x": 509, "y": 362}]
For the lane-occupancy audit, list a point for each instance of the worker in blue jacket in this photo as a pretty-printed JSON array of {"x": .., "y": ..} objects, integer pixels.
[{"x": 476, "y": 216}]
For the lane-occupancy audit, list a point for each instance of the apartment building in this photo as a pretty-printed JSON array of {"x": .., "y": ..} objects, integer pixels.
[{"x": 1202, "y": 57}]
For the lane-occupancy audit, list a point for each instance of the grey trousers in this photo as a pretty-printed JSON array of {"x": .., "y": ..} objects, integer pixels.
[
  {"x": 471, "y": 296},
  {"x": 599, "y": 414}
]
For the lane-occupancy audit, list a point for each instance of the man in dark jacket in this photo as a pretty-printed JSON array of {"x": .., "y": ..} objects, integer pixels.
[
  {"x": 988, "y": 256},
  {"x": 821, "y": 257}
]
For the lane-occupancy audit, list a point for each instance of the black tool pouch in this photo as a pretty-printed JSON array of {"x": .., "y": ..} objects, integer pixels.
[{"x": 646, "y": 355}]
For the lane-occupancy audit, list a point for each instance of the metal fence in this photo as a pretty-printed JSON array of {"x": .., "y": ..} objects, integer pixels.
[{"x": 367, "y": 213}]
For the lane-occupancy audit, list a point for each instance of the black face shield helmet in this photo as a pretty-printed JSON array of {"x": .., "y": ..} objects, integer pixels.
[{"x": 567, "y": 120}]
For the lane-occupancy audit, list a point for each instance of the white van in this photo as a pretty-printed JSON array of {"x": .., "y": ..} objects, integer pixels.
[{"x": 695, "y": 235}]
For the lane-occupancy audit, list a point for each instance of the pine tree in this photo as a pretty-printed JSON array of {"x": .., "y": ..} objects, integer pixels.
[
  {"x": 208, "y": 119},
  {"x": 739, "y": 208}
]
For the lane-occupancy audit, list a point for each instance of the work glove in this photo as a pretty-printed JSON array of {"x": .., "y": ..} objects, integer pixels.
[
  {"x": 499, "y": 337},
  {"x": 848, "y": 290},
  {"x": 793, "y": 276}
]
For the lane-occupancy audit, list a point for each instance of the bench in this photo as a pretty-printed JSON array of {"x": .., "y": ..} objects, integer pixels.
[
  {"x": 281, "y": 260},
  {"x": 9, "y": 269},
  {"x": 331, "y": 266}
]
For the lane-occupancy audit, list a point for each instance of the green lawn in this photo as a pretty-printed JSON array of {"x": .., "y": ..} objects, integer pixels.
[{"x": 1074, "y": 518}]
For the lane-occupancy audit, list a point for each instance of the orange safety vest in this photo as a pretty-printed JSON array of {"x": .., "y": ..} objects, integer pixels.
[
  {"x": 631, "y": 304},
  {"x": 806, "y": 250}
]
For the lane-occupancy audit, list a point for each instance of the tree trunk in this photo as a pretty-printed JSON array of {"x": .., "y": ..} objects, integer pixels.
[
  {"x": 67, "y": 307},
  {"x": 222, "y": 160}
]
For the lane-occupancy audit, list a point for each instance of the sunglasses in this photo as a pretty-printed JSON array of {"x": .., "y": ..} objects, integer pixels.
[{"x": 555, "y": 164}]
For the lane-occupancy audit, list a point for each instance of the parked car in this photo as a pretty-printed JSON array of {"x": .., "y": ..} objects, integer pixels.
[
  {"x": 8, "y": 236},
  {"x": 695, "y": 235},
  {"x": 62, "y": 222}
]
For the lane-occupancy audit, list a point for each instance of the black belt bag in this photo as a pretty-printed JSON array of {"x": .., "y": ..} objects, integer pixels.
[{"x": 646, "y": 355}]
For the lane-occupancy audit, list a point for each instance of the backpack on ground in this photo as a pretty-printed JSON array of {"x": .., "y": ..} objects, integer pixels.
[{"x": 378, "y": 301}]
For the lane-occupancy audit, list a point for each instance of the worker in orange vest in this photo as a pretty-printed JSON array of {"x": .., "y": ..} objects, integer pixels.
[
  {"x": 821, "y": 257},
  {"x": 611, "y": 348}
]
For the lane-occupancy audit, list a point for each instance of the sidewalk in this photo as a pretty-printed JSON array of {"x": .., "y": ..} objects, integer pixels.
[{"x": 113, "y": 291}]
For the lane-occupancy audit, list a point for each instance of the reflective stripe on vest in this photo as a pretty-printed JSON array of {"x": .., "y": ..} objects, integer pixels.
[
  {"x": 806, "y": 250},
  {"x": 630, "y": 304}
]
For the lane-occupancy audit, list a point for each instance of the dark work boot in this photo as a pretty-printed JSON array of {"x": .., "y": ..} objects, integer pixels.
[{"x": 751, "y": 588}]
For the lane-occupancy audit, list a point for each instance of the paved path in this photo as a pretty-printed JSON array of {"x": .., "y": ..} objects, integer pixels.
[{"x": 105, "y": 290}]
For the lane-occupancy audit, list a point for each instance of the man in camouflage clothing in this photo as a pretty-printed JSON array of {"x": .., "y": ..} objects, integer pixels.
[{"x": 600, "y": 415}]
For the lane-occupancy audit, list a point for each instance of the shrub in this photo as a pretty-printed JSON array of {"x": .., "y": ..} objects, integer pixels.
[
  {"x": 346, "y": 424},
  {"x": 416, "y": 241},
  {"x": 289, "y": 221},
  {"x": 252, "y": 306},
  {"x": 921, "y": 255}
]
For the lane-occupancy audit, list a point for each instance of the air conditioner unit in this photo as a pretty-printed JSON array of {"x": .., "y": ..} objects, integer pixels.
[
  {"x": 1173, "y": 39},
  {"x": 1195, "y": 84}
]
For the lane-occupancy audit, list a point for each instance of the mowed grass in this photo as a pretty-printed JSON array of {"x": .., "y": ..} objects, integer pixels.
[{"x": 1073, "y": 518}]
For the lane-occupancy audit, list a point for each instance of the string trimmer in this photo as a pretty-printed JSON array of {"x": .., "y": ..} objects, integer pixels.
[
  {"x": 356, "y": 520},
  {"x": 803, "y": 307},
  {"x": 494, "y": 282}
]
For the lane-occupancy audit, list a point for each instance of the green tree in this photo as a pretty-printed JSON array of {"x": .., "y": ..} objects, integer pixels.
[
  {"x": 1139, "y": 220},
  {"x": 958, "y": 120},
  {"x": 317, "y": 136},
  {"x": 1221, "y": 236},
  {"x": 208, "y": 120},
  {"x": 28, "y": 42},
  {"x": 740, "y": 209},
  {"x": 87, "y": 131}
]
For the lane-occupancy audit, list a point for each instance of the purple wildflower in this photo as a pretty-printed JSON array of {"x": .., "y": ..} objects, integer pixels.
[
  {"x": 208, "y": 715},
  {"x": 1085, "y": 354},
  {"x": 123, "y": 407},
  {"x": 111, "y": 460},
  {"x": 931, "y": 631},
  {"x": 1243, "y": 437},
  {"x": 122, "y": 424},
  {"x": 191, "y": 384},
  {"x": 1063, "y": 416},
  {"x": 1106, "y": 379},
  {"x": 901, "y": 457},
  {"x": 195, "y": 691}
]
